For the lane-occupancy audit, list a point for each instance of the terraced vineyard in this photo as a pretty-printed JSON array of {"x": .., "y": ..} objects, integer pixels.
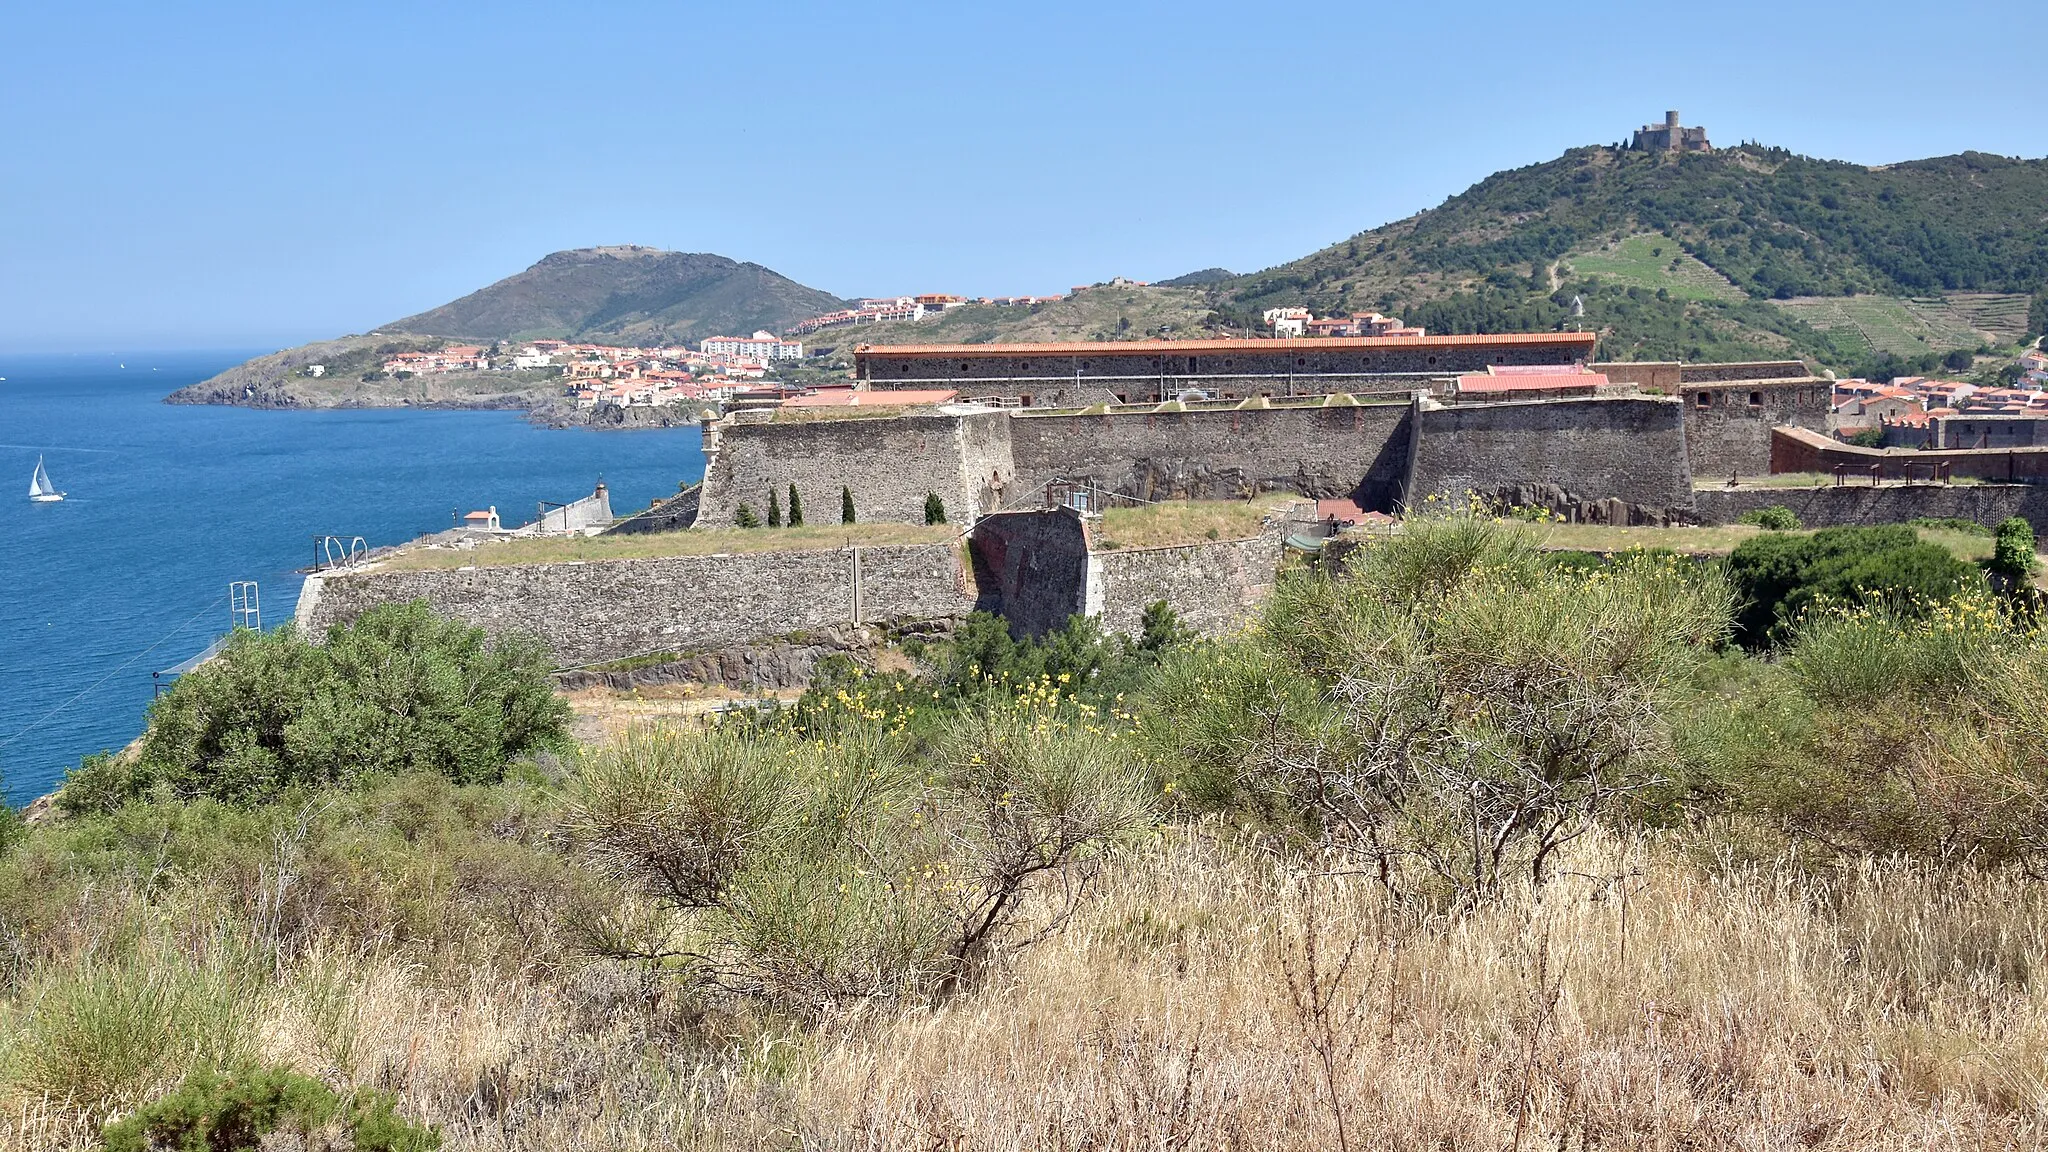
[
  {"x": 1913, "y": 327},
  {"x": 2001, "y": 315},
  {"x": 1653, "y": 260}
]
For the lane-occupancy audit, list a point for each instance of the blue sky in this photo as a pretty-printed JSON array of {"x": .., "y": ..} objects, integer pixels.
[{"x": 262, "y": 174}]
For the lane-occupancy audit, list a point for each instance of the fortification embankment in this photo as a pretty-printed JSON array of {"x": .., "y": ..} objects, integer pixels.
[
  {"x": 1039, "y": 568},
  {"x": 1849, "y": 504},
  {"x": 1032, "y": 568},
  {"x": 1358, "y": 451},
  {"x": 1728, "y": 425},
  {"x": 890, "y": 464},
  {"x": 1211, "y": 587},
  {"x": 596, "y": 610},
  {"x": 1631, "y": 449},
  {"x": 1801, "y": 450}
]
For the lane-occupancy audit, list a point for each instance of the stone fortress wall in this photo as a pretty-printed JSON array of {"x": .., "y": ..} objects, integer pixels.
[
  {"x": 890, "y": 463},
  {"x": 1357, "y": 451},
  {"x": 595, "y": 610},
  {"x": 1038, "y": 568},
  {"x": 1630, "y": 449},
  {"x": 1831, "y": 506}
]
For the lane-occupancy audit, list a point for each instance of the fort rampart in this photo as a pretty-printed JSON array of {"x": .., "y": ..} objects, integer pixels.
[
  {"x": 890, "y": 464},
  {"x": 1631, "y": 449},
  {"x": 1039, "y": 568},
  {"x": 1728, "y": 422},
  {"x": 1803, "y": 450},
  {"x": 1831, "y": 506},
  {"x": 596, "y": 610},
  {"x": 1358, "y": 451},
  {"x": 1211, "y": 587}
]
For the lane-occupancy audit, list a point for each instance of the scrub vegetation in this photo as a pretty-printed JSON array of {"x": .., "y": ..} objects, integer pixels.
[{"x": 1468, "y": 845}]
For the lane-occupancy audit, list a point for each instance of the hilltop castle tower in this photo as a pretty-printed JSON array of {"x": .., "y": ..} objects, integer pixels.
[{"x": 1670, "y": 137}]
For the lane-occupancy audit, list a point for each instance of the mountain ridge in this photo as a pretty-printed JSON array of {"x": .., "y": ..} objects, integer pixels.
[{"x": 625, "y": 294}]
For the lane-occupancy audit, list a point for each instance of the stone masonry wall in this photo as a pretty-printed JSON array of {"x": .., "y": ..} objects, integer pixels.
[
  {"x": 1747, "y": 370},
  {"x": 1831, "y": 506},
  {"x": 890, "y": 463},
  {"x": 1803, "y": 450},
  {"x": 1627, "y": 448},
  {"x": 1032, "y": 568},
  {"x": 1212, "y": 587},
  {"x": 590, "y": 611},
  {"x": 1357, "y": 451},
  {"x": 1728, "y": 425}
]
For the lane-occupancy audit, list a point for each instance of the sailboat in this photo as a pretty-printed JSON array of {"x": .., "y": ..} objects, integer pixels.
[{"x": 40, "y": 489}]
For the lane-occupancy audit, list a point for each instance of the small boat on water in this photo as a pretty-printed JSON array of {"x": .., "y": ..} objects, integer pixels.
[{"x": 40, "y": 489}]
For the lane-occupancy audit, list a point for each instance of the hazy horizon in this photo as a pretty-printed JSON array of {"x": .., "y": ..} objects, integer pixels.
[{"x": 249, "y": 177}]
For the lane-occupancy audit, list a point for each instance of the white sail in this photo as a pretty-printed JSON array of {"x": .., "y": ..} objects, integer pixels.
[{"x": 39, "y": 486}]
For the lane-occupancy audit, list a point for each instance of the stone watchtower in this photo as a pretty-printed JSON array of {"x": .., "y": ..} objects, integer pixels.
[{"x": 1670, "y": 137}]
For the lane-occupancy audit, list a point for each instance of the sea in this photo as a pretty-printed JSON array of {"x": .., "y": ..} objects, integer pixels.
[{"x": 167, "y": 505}]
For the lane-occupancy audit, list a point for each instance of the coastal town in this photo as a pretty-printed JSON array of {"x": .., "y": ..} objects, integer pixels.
[{"x": 740, "y": 372}]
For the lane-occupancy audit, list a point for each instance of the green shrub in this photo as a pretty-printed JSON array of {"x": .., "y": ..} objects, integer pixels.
[
  {"x": 796, "y": 508},
  {"x": 1781, "y": 578},
  {"x": 1776, "y": 518},
  {"x": 2012, "y": 557},
  {"x": 216, "y": 1112},
  {"x": 934, "y": 509},
  {"x": 807, "y": 871},
  {"x": 109, "y": 1029},
  {"x": 1868, "y": 438},
  {"x": 398, "y": 690},
  {"x": 774, "y": 509},
  {"x": 845, "y": 505},
  {"x": 1449, "y": 679},
  {"x": 1887, "y": 732},
  {"x": 745, "y": 518}
]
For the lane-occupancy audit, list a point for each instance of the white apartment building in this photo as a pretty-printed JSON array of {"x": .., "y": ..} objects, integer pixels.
[{"x": 761, "y": 347}]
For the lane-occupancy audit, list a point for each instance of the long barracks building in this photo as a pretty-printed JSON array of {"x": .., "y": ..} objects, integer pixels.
[{"x": 1141, "y": 371}]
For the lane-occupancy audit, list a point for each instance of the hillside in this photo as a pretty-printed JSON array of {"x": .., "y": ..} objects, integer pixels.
[
  {"x": 1119, "y": 313},
  {"x": 1704, "y": 255},
  {"x": 618, "y": 295},
  {"x": 624, "y": 295}
]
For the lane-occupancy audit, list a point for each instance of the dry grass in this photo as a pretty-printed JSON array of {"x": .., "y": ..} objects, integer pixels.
[
  {"x": 1892, "y": 1008},
  {"x": 693, "y": 542},
  {"x": 1203, "y": 999},
  {"x": 602, "y": 714},
  {"x": 1185, "y": 522}
]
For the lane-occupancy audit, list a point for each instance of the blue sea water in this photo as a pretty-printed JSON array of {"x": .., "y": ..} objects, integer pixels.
[{"x": 166, "y": 505}]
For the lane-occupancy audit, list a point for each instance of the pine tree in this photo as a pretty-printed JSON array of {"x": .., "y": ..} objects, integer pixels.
[
  {"x": 934, "y": 509},
  {"x": 774, "y": 509},
  {"x": 845, "y": 505},
  {"x": 796, "y": 508},
  {"x": 745, "y": 518}
]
